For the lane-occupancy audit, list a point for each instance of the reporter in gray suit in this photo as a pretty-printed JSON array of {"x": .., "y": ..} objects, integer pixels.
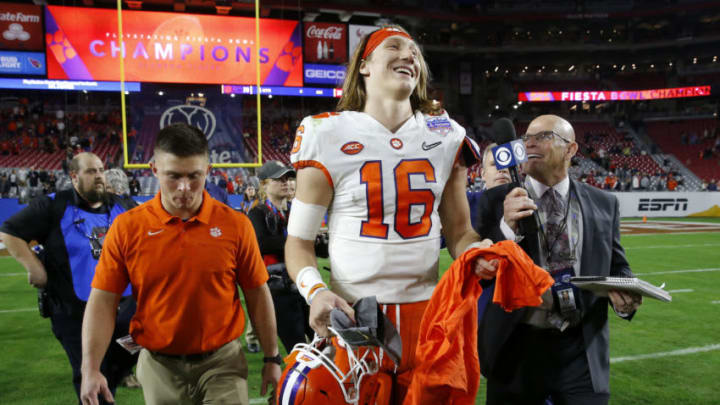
[{"x": 559, "y": 350}]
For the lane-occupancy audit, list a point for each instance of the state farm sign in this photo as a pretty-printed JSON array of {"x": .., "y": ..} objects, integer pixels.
[
  {"x": 21, "y": 27},
  {"x": 325, "y": 43}
]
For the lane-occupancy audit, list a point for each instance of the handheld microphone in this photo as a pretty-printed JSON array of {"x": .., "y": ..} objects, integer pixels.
[{"x": 509, "y": 153}]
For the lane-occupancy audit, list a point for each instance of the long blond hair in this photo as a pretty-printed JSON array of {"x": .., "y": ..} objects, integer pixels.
[{"x": 354, "y": 94}]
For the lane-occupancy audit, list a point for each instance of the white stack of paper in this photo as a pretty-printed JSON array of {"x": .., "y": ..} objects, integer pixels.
[{"x": 601, "y": 285}]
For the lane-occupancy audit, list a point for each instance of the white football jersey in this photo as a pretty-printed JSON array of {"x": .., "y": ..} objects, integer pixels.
[{"x": 383, "y": 223}]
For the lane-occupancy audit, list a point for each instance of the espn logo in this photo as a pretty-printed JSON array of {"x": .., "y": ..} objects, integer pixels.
[{"x": 663, "y": 204}]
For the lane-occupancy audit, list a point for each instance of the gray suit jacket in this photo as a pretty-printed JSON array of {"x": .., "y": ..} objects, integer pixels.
[{"x": 602, "y": 255}]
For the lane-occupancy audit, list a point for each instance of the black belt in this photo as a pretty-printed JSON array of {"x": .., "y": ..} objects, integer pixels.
[{"x": 186, "y": 357}]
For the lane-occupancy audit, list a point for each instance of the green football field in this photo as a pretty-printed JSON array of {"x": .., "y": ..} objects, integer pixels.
[{"x": 668, "y": 354}]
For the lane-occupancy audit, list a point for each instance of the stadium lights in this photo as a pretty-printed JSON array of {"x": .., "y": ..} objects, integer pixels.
[
  {"x": 232, "y": 95},
  {"x": 201, "y": 95},
  {"x": 623, "y": 67},
  {"x": 570, "y": 69},
  {"x": 496, "y": 68},
  {"x": 714, "y": 59},
  {"x": 497, "y": 107},
  {"x": 515, "y": 107},
  {"x": 652, "y": 66},
  {"x": 160, "y": 93}
]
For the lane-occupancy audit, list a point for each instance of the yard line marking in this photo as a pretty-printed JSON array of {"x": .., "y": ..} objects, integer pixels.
[
  {"x": 673, "y": 246},
  {"x": 681, "y": 352},
  {"x": 11, "y": 274},
  {"x": 258, "y": 400},
  {"x": 715, "y": 302},
  {"x": 628, "y": 235},
  {"x": 5, "y": 311},
  {"x": 679, "y": 271},
  {"x": 681, "y": 290}
]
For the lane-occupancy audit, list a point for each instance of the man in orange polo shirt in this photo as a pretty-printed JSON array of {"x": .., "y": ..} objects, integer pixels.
[{"x": 184, "y": 255}]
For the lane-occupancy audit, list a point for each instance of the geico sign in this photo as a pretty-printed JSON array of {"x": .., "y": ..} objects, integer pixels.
[
  {"x": 324, "y": 74},
  {"x": 663, "y": 204}
]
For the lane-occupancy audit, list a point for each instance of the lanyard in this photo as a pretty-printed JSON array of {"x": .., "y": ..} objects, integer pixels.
[{"x": 275, "y": 210}]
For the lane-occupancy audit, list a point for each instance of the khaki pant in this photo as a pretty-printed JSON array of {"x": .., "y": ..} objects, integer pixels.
[{"x": 220, "y": 378}]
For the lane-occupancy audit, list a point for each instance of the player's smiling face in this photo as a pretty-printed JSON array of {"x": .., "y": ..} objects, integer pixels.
[{"x": 393, "y": 66}]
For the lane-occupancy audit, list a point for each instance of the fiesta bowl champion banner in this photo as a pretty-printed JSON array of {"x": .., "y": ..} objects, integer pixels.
[{"x": 82, "y": 44}]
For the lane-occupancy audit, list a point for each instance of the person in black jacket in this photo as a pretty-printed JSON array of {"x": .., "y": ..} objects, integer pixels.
[
  {"x": 269, "y": 218},
  {"x": 71, "y": 226},
  {"x": 559, "y": 350}
]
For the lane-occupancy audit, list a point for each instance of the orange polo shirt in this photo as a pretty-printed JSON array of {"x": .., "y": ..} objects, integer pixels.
[{"x": 184, "y": 274}]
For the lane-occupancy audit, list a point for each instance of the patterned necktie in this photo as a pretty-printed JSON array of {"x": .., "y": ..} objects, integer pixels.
[{"x": 556, "y": 231}]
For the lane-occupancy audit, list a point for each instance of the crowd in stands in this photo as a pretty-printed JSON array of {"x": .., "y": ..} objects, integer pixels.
[
  {"x": 32, "y": 126},
  {"x": 619, "y": 163},
  {"x": 26, "y": 183}
]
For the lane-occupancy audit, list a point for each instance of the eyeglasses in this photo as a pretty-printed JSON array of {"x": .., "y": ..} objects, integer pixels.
[{"x": 543, "y": 136}]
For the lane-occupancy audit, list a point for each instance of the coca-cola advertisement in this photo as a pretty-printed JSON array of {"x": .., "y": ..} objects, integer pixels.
[{"x": 325, "y": 42}]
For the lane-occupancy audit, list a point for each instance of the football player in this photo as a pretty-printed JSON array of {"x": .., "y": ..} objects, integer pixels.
[{"x": 390, "y": 169}]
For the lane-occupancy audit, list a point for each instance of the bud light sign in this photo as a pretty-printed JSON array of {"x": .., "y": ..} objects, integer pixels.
[
  {"x": 324, "y": 74},
  {"x": 325, "y": 42}
]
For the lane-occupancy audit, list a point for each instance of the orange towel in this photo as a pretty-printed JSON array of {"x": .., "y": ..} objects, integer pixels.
[{"x": 449, "y": 371}]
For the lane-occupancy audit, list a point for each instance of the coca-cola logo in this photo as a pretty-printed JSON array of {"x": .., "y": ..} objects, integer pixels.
[{"x": 333, "y": 32}]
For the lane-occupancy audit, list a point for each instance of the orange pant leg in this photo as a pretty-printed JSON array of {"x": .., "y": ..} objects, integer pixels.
[{"x": 409, "y": 317}]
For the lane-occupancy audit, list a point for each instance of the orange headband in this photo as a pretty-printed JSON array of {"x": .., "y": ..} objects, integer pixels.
[{"x": 378, "y": 36}]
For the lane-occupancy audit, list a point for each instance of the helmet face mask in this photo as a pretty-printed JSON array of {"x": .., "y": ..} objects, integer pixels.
[{"x": 312, "y": 377}]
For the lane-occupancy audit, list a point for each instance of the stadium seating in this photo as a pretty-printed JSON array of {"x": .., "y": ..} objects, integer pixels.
[{"x": 668, "y": 135}]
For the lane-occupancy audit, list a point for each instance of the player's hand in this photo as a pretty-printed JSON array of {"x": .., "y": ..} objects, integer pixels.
[
  {"x": 625, "y": 302},
  {"x": 270, "y": 377},
  {"x": 486, "y": 270},
  {"x": 94, "y": 384},
  {"x": 322, "y": 304},
  {"x": 37, "y": 276},
  {"x": 517, "y": 205}
]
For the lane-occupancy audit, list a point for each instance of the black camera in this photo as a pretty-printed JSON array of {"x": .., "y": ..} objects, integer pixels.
[{"x": 44, "y": 306}]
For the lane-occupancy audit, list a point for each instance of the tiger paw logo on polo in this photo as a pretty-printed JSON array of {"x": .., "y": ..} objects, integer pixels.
[{"x": 215, "y": 232}]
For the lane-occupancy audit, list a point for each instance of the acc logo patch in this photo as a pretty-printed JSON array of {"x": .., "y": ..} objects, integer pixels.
[
  {"x": 439, "y": 125},
  {"x": 352, "y": 148},
  {"x": 396, "y": 143}
]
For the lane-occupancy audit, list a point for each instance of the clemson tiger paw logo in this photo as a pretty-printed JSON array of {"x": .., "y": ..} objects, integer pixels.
[{"x": 60, "y": 47}]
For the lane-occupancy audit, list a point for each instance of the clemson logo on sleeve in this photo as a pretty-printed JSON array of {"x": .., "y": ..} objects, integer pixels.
[{"x": 298, "y": 139}]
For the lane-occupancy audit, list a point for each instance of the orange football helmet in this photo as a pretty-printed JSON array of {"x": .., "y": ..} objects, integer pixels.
[{"x": 312, "y": 377}]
